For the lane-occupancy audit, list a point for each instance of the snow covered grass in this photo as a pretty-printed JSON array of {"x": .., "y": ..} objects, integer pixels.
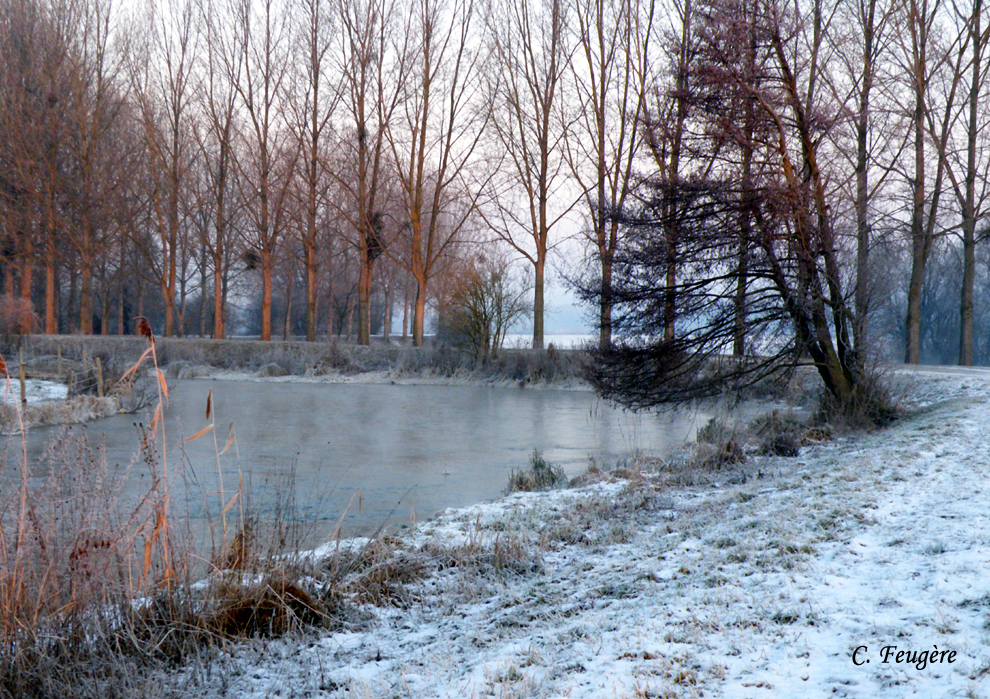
[
  {"x": 762, "y": 582},
  {"x": 35, "y": 390}
]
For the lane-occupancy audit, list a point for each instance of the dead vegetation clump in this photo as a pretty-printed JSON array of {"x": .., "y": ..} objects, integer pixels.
[
  {"x": 380, "y": 573},
  {"x": 719, "y": 445},
  {"x": 540, "y": 475},
  {"x": 268, "y": 608},
  {"x": 872, "y": 406},
  {"x": 723, "y": 443},
  {"x": 333, "y": 360},
  {"x": 500, "y": 555}
]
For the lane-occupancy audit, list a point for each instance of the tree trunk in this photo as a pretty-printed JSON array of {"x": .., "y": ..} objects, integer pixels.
[
  {"x": 538, "y": 301},
  {"x": 387, "y": 321},
  {"x": 862, "y": 182},
  {"x": 969, "y": 204},
  {"x": 27, "y": 274},
  {"x": 180, "y": 325},
  {"x": 203, "y": 277},
  {"x": 605, "y": 305},
  {"x": 419, "y": 313},
  {"x": 311, "y": 288},
  {"x": 121, "y": 300},
  {"x": 218, "y": 330},
  {"x": 71, "y": 303},
  {"x": 51, "y": 317},
  {"x": 287, "y": 323},
  {"x": 266, "y": 296},
  {"x": 350, "y": 317},
  {"x": 105, "y": 313},
  {"x": 742, "y": 281},
  {"x": 86, "y": 298},
  {"x": 364, "y": 300},
  {"x": 919, "y": 251}
]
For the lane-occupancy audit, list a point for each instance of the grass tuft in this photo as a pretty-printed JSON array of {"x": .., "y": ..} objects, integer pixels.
[{"x": 541, "y": 475}]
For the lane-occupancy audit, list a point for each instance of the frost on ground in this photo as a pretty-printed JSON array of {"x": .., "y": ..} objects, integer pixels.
[
  {"x": 35, "y": 390},
  {"x": 47, "y": 404},
  {"x": 764, "y": 588}
]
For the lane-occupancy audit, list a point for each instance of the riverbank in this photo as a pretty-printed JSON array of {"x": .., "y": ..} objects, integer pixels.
[
  {"x": 744, "y": 587},
  {"x": 47, "y": 403},
  {"x": 326, "y": 361}
]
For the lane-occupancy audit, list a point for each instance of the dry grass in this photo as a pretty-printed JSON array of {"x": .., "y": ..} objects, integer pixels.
[
  {"x": 540, "y": 475},
  {"x": 100, "y": 598}
]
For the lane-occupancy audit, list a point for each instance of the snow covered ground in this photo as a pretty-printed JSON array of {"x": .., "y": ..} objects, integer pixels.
[
  {"x": 36, "y": 390},
  {"x": 790, "y": 583}
]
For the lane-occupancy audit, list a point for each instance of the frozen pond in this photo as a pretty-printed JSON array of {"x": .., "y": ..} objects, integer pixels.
[{"x": 410, "y": 450}]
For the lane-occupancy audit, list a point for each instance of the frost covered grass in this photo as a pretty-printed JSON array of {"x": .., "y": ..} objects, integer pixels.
[{"x": 764, "y": 579}]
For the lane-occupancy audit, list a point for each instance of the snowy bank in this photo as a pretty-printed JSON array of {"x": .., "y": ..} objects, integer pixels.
[
  {"x": 782, "y": 585},
  {"x": 47, "y": 404},
  {"x": 35, "y": 390}
]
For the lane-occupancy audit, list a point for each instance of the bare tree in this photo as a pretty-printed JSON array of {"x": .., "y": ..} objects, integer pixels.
[
  {"x": 917, "y": 42},
  {"x": 862, "y": 43},
  {"x": 484, "y": 300},
  {"x": 371, "y": 88},
  {"x": 215, "y": 131},
  {"x": 95, "y": 109},
  {"x": 313, "y": 103},
  {"x": 967, "y": 172},
  {"x": 434, "y": 139},
  {"x": 22, "y": 32},
  {"x": 162, "y": 70},
  {"x": 55, "y": 54},
  {"x": 611, "y": 75},
  {"x": 529, "y": 59},
  {"x": 267, "y": 156}
]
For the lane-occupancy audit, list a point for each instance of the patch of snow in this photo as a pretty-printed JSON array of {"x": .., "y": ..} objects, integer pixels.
[{"x": 36, "y": 390}]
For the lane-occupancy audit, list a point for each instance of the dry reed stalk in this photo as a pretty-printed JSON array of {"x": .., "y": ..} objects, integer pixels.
[
  {"x": 17, "y": 579},
  {"x": 160, "y": 531},
  {"x": 210, "y": 428}
]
